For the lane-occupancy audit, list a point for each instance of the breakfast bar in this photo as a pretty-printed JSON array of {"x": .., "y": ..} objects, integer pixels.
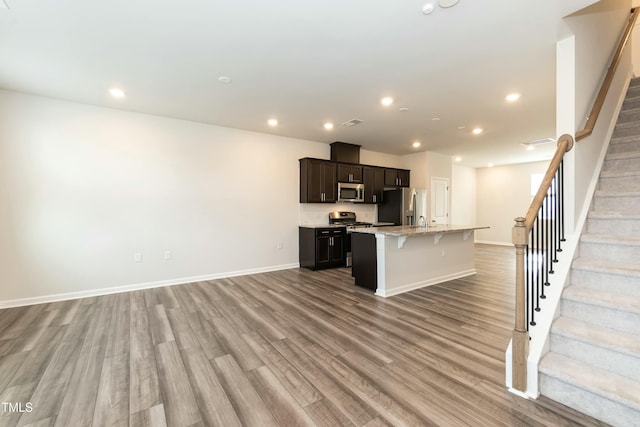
[{"x": 393, "y": 260}]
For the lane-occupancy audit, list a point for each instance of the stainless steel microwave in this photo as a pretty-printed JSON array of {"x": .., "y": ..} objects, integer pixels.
[{"x": 348, "y": 192}]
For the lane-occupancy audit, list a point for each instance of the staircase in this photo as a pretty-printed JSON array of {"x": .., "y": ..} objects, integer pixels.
[{"x": 594, "y": 360}]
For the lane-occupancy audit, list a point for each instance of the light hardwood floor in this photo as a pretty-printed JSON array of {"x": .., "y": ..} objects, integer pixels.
[{"x": 287, "y": 348}]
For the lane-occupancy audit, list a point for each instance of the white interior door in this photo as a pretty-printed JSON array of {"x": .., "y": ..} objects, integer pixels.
[{"x": 439, "y": 200}]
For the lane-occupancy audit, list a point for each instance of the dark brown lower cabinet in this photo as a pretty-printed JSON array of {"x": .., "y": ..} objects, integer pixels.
[
  {"x": 365, "y": 263},
  {"x": 322, "y": 247}
]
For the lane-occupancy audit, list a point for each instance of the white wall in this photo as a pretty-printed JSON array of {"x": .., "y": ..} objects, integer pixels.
[
  {"x": 418, "y": 163},
  {"x": 424, "y": 166},
  {"x": 83, "y": 188},
  {"x": 596, "y": 31},
  {"x": 463, "y": 195},
  {"x": 504, "y": 193},
  {"x": 374, "y": 158}
]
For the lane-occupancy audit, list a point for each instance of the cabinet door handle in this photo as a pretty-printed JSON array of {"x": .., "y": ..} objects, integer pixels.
[{"x": 374, "y": 198}]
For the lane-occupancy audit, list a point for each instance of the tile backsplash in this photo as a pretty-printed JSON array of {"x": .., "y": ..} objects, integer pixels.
[{"x": 318, "y": 213}]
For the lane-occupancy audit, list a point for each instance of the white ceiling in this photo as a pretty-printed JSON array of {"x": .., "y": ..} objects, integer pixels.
[{"x": 303, "y": 63}]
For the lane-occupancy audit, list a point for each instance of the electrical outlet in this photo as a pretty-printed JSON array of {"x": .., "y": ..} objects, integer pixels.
[
  {"x": 167, "y": 255},
  {"x": 137, "y": 257}
]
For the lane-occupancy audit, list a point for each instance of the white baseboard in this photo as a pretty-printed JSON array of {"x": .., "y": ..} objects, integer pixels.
[
  {"x": 423, "y": 283},
  {"x": 139, "y": 286}
]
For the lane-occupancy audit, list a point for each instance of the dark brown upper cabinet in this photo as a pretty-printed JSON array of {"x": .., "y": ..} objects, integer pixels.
[
  {"x": 396, "y": 178},
  {"x": 349, "y": 173},
  {"x": 318, "y": 181},
  {"x": 373, "y": 178}
]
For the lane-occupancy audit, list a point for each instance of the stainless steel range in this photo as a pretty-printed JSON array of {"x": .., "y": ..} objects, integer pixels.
[{"x": 347, "y": 219}]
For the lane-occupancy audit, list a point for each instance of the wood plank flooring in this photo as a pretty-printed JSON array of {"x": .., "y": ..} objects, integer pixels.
[{"x": 288, "y": 348}]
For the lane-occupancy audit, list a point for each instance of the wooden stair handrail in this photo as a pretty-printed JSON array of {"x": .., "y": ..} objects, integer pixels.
[
  {"x": 608, "y": 79},
  {"x": 565, "y": 144}
]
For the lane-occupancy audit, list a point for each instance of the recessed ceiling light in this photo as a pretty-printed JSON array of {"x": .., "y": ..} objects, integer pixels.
[
  {"x": 328, "y": 126},
  {"x": 490, "y": 165},
  {"x": 477, "y": 131},
  {"x": 435, "y": 119},
  {"x": 117, "y": 92},
  {"x": 512, "y": 97},
  {"x": 457, "y": 158},
  {"x": 272, "y": 122},
  {"x": 462, "y": 127},
  {"x": 427, "y": 8},
  {"x": 225, "y": 79},
  {"x": 416, "y": 144},
  {"x": 404, "y": 109},
  {"x": 530, "y": 148},
  {"x": 386, "y": 101}
]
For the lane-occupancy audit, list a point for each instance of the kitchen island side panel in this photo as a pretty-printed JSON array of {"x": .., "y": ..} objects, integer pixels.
[
  {"x": 423, "y": 260},
  {"x": 364, "y": 262}
]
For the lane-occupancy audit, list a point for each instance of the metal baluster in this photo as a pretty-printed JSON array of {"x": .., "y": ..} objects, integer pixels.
[
  {"x": 554, "y": 201},
  {"x": 532, "y": 268},
  {"x": 540, "y": 264},
  {"x": 545, "y": 242},
  {"x": 549, "y": 247},
  {"x": 527, "y": 281},
  {"x": 562, "y": 238},
  {"x": 533, "y": 301}
]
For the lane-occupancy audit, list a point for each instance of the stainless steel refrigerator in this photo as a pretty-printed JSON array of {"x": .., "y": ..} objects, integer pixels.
[{"x": 404, "y": 206}]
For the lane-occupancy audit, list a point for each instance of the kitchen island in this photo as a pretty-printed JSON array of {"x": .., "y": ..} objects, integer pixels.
[{"x": 393, "y": 260}]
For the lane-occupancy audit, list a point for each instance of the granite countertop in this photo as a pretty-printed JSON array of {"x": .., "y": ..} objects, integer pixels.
[
  {"x": 402, "y": 230},
  {"x": 322, "y": 225},
  {"x": 375, "y": 224}
]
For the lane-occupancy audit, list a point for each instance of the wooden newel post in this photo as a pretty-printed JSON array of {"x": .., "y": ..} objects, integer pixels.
[{"x": 520, "y": 336}]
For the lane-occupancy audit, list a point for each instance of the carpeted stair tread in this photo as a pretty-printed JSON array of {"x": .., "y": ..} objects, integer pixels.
[
  {"x": 597, "y": 335},
  {"x": 623, "y": 156},
  {"x": 593, "y": 379},
  {"x": 610, "y": 239},
  {"x": 605, "y": 194},
  {"x": 613, "y": 215},
  {"x": 620, "y": 174},
  {"x": 625, "y": 139},
  {"x": 607, "y": 267},
  {"x": 599, "y": 298},
  {"x": 629, "y": 115},
  {"x": 626, "y": 125}
]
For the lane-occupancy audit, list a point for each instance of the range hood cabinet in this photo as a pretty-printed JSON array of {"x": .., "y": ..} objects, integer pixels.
[{"x": 342, "y": 152}]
